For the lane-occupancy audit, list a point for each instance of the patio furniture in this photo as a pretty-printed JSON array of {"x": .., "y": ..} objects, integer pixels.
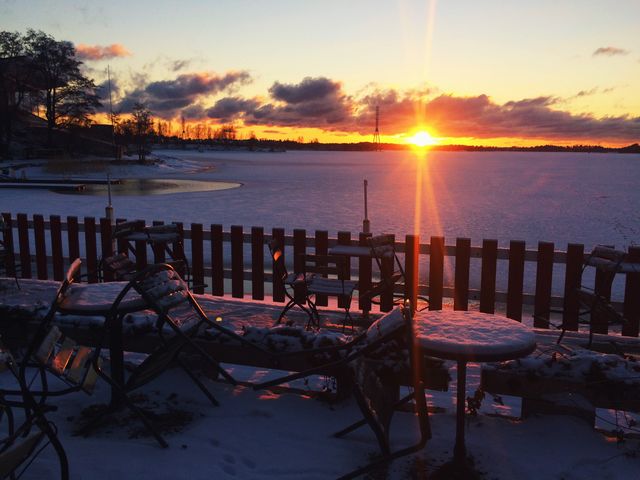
[
  {"x": 129, "y": 234},
  {"x": 179, "y": 320},
  {"x": 391, "y": 270},
  {"x": 301, "y": 287},
  {"x": 78, "y": 366},
  {"x": 366, "y": 361},
  {"x": 317, "y": 284},
  {"x": 466, "y": 336},
  {"x": 594, "y": 304},
  {"x": 19, "y": 445}
]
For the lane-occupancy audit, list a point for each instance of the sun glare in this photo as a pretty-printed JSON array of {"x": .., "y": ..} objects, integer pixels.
[{"x": 422, "y": 139}]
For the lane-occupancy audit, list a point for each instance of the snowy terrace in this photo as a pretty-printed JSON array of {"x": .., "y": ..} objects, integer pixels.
[{"x": 287, "y": 433}]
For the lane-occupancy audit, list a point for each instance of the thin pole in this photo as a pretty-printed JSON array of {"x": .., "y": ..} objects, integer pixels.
[
  {"x": 366, "y": 226},
  {"x": 109, "y": 209}
]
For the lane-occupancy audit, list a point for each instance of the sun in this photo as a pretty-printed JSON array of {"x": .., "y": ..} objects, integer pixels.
[{"x": 422, "y": 139}]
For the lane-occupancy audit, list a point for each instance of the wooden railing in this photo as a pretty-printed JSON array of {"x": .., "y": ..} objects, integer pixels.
[{"x": 237, "y": 262}]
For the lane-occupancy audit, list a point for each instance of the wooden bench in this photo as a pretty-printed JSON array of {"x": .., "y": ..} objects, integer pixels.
[{"x": 571, "y": 382}]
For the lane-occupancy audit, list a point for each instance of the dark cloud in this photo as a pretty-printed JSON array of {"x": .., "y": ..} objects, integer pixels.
[
  {"x": 480, "y": 117},
  {"x": 97, "y": 52},
  {"x": 166, "y": 98},
  {"x": 318, "y": 102},
  {"x": 308, "y": 89},
  {"x": 230, "y": 108},
  {"x": 610, "y": 51},
  {"x": 193, "y": 84}
]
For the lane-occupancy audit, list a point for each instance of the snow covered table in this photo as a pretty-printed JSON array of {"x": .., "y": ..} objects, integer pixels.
[{"x": 466, "y": 336}]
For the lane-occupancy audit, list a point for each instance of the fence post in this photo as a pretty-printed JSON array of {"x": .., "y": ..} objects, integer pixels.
[
  {"x": 516, "y": 279},
  {"x": 411, "y": 267},
  {"x": 461, "y": 285},
  {"x": 73, "y": 237},
  {"x": 277, "y": 286},
  {"x": 217, "y": 260},
  {"x": 237, "y": 262},
  {"x": 364, "y": 275},
  {"x": 8, "y": 244},
  {"x": 344, "y": 238},
  {"x": 91, "y": 249},
  {"x": 56, "y": 247},
  {"x": 572, "y": 280},
  {"x": 23, "y": 240},
  {"x": 257, "y": 263},
  {"x": 632, "y": 297},
  {"x": 488, "y": 276},
  {"x": 106, "y": 244},
  {"x": 436, "y": 273},
  {"x": 197, "y": 258},
  {"x": 159, "y": 254},
  {"x": 299, "y": 249},
  {"x": 322, "y": 247},
  {"x": 41, "y": 247},
  {"x": 544, "y": 276}
]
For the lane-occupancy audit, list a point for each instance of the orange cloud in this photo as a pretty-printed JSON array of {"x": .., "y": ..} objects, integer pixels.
[{"x": 98, "y": 52}]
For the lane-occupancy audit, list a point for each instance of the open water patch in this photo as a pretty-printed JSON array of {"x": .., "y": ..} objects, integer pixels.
[{"x": 150, "y": 186}]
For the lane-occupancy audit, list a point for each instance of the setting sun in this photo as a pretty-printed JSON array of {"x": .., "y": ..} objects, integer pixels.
[{"x": 422, "y": 139}]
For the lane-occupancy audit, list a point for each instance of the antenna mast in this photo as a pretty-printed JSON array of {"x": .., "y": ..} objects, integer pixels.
[{"x": 376, "y": 134}]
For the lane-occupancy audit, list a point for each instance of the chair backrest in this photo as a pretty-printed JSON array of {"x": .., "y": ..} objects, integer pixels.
[
  {"x": 325, "y": 264},
  {"x": 161, "y": 287},
  {"x": 122, "y": 229},
  {"x": 277, "y": 254},
  {"x": 384, "y": 252}
]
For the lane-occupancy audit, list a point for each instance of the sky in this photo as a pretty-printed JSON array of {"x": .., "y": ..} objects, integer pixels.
[{"x": 468, "y": 72}]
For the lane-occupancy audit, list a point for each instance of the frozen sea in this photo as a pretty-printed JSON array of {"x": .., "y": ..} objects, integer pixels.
[
  {"x": 531, "y": 196},
  {"x": 558, "y": 197}
]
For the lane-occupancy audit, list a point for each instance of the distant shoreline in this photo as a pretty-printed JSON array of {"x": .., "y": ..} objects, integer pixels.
[{"x": 284, "y": 145}]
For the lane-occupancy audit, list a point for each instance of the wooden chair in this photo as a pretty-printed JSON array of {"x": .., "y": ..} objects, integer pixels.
[
  {"x": 594, "y": 304},
  {"x": 127, "y": 234},
  {"x": 289, "y": 282},
  {"x": 319, "y": 283},
  {"x": 77, "y": 366},
  {"x": 365, "y": 361},
  {"x": 391, "y": 271}
]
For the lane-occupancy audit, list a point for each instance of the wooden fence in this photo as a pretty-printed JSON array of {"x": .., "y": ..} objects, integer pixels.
[{"x": 239, "y": 256}]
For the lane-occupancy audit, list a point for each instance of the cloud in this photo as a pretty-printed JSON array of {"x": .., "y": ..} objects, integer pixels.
[
  {"x": 166, "y": 98},
  {"x": 176, "y": 65},
  {"x": 480, "y": 117},
  {"x": 610, "y": 51},
  {"x": 194, "y": 84},
  {"x": 97, "y": 52},
  {"x": 231, "y": 108},
  {"x": 314, "y": 102},
  {"x": 308, "y": 89}
]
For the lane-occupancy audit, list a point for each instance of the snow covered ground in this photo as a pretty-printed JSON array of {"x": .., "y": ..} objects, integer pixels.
[{"x": 265, "y": 435}]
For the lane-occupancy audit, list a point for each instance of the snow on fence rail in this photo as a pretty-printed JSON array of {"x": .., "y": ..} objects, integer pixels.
[{"x": 241, "y": 258}]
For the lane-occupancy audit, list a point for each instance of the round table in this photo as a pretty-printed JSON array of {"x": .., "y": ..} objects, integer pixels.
[{"x": 466, "y": 336}]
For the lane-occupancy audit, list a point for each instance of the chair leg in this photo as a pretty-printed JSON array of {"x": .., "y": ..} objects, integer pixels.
[{"x": 198, "y": 382}]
